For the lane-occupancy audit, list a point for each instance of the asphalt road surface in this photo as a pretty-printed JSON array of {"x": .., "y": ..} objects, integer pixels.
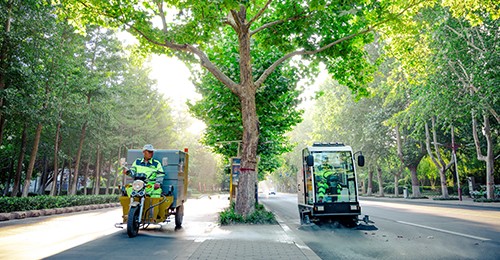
[
  {"x": 399, "y": 231},
  {"x": 92, "y": 234}
]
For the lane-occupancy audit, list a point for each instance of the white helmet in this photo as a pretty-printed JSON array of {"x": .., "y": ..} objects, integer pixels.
[{"x": 148, "y": 147}]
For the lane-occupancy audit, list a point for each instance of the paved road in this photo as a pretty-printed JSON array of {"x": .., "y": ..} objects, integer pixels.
[
  {"x": 400, "y": 231},
  {"x": 92, "y": 235}
]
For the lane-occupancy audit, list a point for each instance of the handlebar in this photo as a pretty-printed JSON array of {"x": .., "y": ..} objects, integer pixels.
[{"x": 140, "y": 176}]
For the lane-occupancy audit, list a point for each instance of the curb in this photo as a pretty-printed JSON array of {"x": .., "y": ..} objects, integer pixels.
[
  {"x": 55, "y": 211},
  {"x": 308, "y": 252}
]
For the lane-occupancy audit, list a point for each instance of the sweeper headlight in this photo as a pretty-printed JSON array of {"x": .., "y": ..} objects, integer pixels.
[{"x": 138, "y": 185}]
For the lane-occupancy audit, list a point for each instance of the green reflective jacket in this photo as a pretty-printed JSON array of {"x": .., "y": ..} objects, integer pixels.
[{"x": 149, "y": 168}]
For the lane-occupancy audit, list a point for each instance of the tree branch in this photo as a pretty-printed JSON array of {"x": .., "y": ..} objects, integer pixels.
[
  {"x": 398, "y": 143},
  {"x": 480, "y": 156},
  {"x": 271, "y": 24},
  {"x": 452, "y": 161},
  {"x": 261, "y": 11},
  {"x": 162, "y": 16},
  {"x": 494, "y": 113},
  {"x": 434, "y": 138},
  {"x": 472, "y": 88},
  {"x": 273, "y": 67},
  {"x": 236, "y": 19},
  {"x": 428, "y": 145},
  {"x": 204, "y": 60},
  {"x": 462, "y": 36}
]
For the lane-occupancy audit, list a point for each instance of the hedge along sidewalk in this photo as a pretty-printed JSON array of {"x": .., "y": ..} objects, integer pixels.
[{"x": 53, "y": 211}]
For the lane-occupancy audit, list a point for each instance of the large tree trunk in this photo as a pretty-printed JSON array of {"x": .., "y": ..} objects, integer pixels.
[
  {"x": 380, "y": 182},
  {"x": 97, "y": 180},
  {"x": 43, "y": 180},
  {"x": 19, "y": 169},
  {"x": 31, "y": 165},
  {"x": 396, "y": 185},
  {"x": 65, "y": 162},
  {"x": 414, "y": 182},
  {"x": 489, "y": 157},
  {"x": 8, "y": 178},
  {"x": 80, "y": 147},
  {"x": 245, "y": 200},
  {"x": 363, "y": 187},
  {"x": 78, "y": 156},
  {"x": 411, "y": 166},
  {"x": 55, "y": 173},
  {"x": 85, "y": 177},
  {"x": 439, "y": 162},
  {"x": 369, "y": 190},
  {"x": 108, "y": 175}
]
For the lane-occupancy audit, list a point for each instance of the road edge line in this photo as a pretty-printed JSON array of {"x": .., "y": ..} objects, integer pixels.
[
  {"x": 307, "y": 251},
  {"x": 445, "y": 231}
]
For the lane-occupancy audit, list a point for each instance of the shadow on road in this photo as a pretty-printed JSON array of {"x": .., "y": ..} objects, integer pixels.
[{"x": 335, "y": 226}]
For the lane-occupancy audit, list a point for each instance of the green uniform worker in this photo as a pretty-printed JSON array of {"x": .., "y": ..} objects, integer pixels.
[
  {"x": 323, "y": 171},
  {"x": 153, "y": 170}
]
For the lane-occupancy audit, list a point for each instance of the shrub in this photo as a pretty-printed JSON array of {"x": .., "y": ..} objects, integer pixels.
[
  {"x": 259, "y": 216},
  {"x": 390, "y": 189},
  {"x": 441, "y": 198},
  {"x": 486, "y": 200},
  {"x": 10, "y": 204}
]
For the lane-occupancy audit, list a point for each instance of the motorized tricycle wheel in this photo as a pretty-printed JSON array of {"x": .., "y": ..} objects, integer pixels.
[
  {"x": 133, "y": 222},
  {"x": 179, "y": 215}
]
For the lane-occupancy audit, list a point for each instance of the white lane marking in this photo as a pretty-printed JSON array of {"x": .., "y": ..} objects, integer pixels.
[
  {"x": 285, "y": 227},
  {"x": 444, "y": 231}
]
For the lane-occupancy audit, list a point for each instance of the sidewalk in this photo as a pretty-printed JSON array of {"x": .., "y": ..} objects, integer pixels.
[
  {"x": 245, "y": 241},
  {"x": 278, "y": 241},
  {"x": 248, "y": 242}
]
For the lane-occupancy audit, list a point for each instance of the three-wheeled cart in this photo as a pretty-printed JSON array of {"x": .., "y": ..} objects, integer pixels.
[{"x": 174, "y": 187}]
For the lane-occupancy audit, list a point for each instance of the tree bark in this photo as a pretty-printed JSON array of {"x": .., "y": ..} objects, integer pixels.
[
  {"x": 412, "y": 166},
  {"x": 55, "y": 174},
  {"x": 245, "y": 202},
  {"x": 414, "y": 182},
  {"x": 108, "y": 179},
  {"x": 19, "y": 169},
  {"x": 489, "y": 157},
  {"x": 380, "y": 182},
  {"x": 43, "y": 180},
  {"x": 31, "y": 165},
  {"x": 97, "y": 180},
  {"x": 439, "y": 162},
  {"x": 85, "y": 177},
  {"x": 396, "y": 185},
  {"x": 369, "y": 190},
  {"x": 78, "y": 156},
  {"x": 8, "y": 178}
]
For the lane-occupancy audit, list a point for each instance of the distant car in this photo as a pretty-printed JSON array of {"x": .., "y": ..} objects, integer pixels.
[{"x": 272, "y": 192}]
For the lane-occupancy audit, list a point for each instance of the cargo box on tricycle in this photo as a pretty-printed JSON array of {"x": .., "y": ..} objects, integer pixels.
[{"x": 174, "y": 192}]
